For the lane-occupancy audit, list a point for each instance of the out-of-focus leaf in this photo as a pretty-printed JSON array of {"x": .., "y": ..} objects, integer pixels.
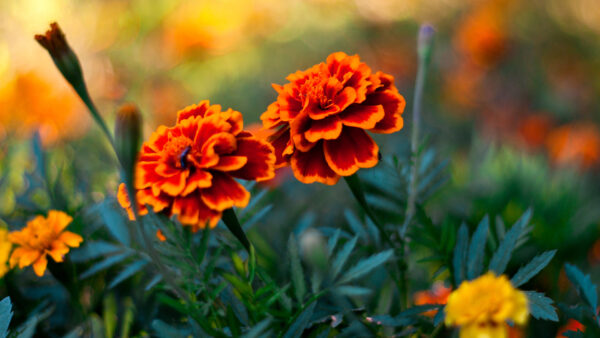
[
  {"x": 304, "y": 223},
  {"x": 439, "y": 316},
  {"x": 417, "y": 310},
  {"x": 92, "y": 250},
  {"x": 390, "y": 321},
  {"x": 157, "y": 278},
  {"x": 164, "y": 330},
  {"x": 585, "y": 287},
  {"x": 238, "y": 308},
  {"x": 355, "y": 224},
  {"x": 477, "y": 249},
  {"x": 104, "y": 264},
  {"x": 332, "y": 242},
  {"x": 502, "y": 256},
  {"x": 532, "y": 268},
  {"x": 296, "y": 269},
  {"x": 300, "y": 324},
  {"x": 342, "y": 256},
  {"x": 27, "y": 329},
  {"x": 129, "y": 271},
  {"x": 247, "y": 225},
  {"x": 540, "y": 306},
  {"x": 573, "y": 334},
  {"x": 366, "y": 265},
  {"x": 258, "y": 330},
  {"x": 349, "y": 290},
  {"x": 373, "y": 231},
  {"x": 115, "y": 223},
  {"x": 109, "y": 315},
  {"x": 5, "y": 316},
  {"x": 459, "y": 260}
]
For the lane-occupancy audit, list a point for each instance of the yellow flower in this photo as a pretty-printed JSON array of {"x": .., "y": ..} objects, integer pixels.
[
  {"x": 43, "y": 236},
  {"x": 5, "y": 246},
  {"x": 482, "y": 307}
]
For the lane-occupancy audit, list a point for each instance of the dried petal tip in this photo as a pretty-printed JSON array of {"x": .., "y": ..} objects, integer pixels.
[{"x": 54, "y": 40}]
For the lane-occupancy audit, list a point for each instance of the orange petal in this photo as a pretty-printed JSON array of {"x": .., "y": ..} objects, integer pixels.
[
  {"x": 217, "y": 144},
  {"x": 58, "y": 220},
  {"x": 260, "y": 164},
  {"x": 230, "y": 163},
  {"x": 309, "y": 167},
  {"x": 328, "y": 128},
  {"x": 39, "y": 267},
  {"x": 71, "y": 239},
  {"x": 362, "y": 116},
  {"x": 193, "y": 111},
  {"x": 28, "y": 256},
  {"x": 158, "y": 203},
  {"x": 173, "y": 185},
  {"x": 58, "y": 251},
  {"x": 224, "y": 193},
  {"x": 281, "y": 142},
  {"x": 161, "y": 237},
  {"x": 393, "y": 105},
  {"x": 16, "y": 255},
  {"x": 199, "y": 179},
  {"x": 354, "y": 149},
  {"x": 192, "y": 211},
  {"x": 297, "y": 129}
]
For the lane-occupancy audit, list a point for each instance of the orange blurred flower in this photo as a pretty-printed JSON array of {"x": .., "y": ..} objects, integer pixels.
[
  {"x": 161, "y": 237},
  {"x": 188, "y": 170},
  {"x": 481, "y": 36},
  {"x": 28, "y": 102},
  {"x": 320, "y": 118},
  {"x": 43, "y": 236},
  {"x": 534, "y": 129},
  {"x": 437, "y": 295},
  {"x": 571, "y": 325},
  {"x": 575, "y": 144}
]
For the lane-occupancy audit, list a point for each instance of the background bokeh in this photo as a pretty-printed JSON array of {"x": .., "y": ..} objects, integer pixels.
[{"x": 511, "y": 101}]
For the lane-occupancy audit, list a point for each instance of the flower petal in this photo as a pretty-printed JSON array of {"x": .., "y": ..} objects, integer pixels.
[
  {"x": 224, "y": 193},
  {"x": 192, "y": 211},
  {"x": 354, "y": 149},
  {"x": 58, "y": 220},
  {"x": 71, "y": 239},
  {"x": 393, "y": 105},
  {"x": 28, "y": 256},
  {"x": 173, "y": 185},
  {"x": 260, "y": 165},
  {"x": 328, "y": 128},
  {"x": 39, "y": 267},
  {"x": 193, "y": 111},
  {"x": 362, "y": 116},
  {"x": 230, "y": 163},
  {"x": 309, "y": 167},
  {"x": 199, "y": 179}
]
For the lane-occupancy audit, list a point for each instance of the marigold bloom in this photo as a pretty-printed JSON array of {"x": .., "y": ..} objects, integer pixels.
[
  {"x": 43, "y": 236},
  {"x": 576, "y": 144},
  {"x": 188, "y": 170},
  {"x": 483, "y": 306},
  {"x": 318, "y": 123},
  {"x": 5, "y": 247},
  {"x": 437, "y": 295}
]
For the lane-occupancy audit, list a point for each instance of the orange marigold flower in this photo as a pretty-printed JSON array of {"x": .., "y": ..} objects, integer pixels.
[
  {"x": 318, "y": 123},
  {"x": 437, "y": 295},
  {"x": 41, "y": 237},
  {"x": 188, "y": 170},
  {"x": 577, "y": 144}
]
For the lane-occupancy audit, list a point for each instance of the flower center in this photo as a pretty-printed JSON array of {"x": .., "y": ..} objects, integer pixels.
[
  {"x": 313, "y": 90},
  {"x": 177, "y": 150}
]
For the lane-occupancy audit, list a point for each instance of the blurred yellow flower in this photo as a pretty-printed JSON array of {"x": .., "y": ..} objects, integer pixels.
[
  {"x": 43, "y": 236},
  {"x": 5, "y": 246},
  {"x": 482, "y": 307}
]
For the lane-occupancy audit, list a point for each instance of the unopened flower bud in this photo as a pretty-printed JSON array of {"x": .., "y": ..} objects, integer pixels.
[
  {"x": 314, "y": 249},
  {"x": 128, "y": 124},
  {"x": 425, "y": 42},
  {"x": 64, "y": 58}
]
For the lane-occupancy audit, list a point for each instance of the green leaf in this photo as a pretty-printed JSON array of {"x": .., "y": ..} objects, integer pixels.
[
  {"x": 585, "y": 287},
  {"x": 257, "y": 217},
  {"x": 298, "y": 326},
  {"x": 355, "y": 224},
  {"x": 232, "y": 223},
  {"x": 164, "y": 330},
  {"x": 296, "y": 269},
  {"x": 439, "y": 316},
  {"x": 477, "y": 249},
  {"x": 104, "y": 264},
  {"x": 532, "y": 268},
  {"x": 366, "y": 265},
  {"x": 573, "y": 334},
  {"x": 387, "y": 320},
  {"x": 332, "y": 242},
  {"x": 460, "y": 254},
  {"x": 93, "y": 250},
  {"x": 129, "y": 271},
  {"x": 27, "y": 330},
  {"x": 109, "y": 315},
  {"x": 351, "y": 291},
  {"x": 259, "y": 330},
  {"x": 115, "y": 223},
  {"x": 342, "y": 256},
  {"x": 417, "y": 310},
  {"x": 5, "y": 316},
  {"x": 540, "y": 306},
  {"x": 502, "y": 256}
]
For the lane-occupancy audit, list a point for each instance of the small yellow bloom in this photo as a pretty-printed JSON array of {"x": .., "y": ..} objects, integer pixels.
[
  {"x": 43, "y": 236},
  {"x": 483, "y": 306},
  {"x": 5, "y": 246}
]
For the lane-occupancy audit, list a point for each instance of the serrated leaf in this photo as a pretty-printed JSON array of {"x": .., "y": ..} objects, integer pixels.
[
  {"x": 459, "y": 258},
  {"x": 342, "y": 256},
  {"x": 502, "y": 255},
  {"x": 127, "y": 272},
  {"x": 92, "y": 250},
  {"x": 115, "y": 223},
  {"x": 532, "y": 268},
  {"x": 6, "y": 314},
  {"x": 540, "y": 306},
  {"x": 351, "y": 291},
  {"x": 585, "y": 287},
  {"x": 258, "y": 330},
  {"x": 296, "y": 269},
  {"x": 298, "y": 326},
  {"x": 365, "y": 266},
  {"x": 477, "y": 249},
  {"x": 104, "y": 264}
]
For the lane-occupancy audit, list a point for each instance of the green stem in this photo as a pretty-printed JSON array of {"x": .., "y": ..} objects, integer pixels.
[
  {"x": 85, "y": 97},
  {"x": 233, "y": 224}
]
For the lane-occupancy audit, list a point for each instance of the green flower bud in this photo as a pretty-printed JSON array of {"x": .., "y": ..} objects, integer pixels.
[{"x": 128, "y": 124}]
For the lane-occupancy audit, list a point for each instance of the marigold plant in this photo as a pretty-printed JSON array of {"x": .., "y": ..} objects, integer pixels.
[
  {"x": 482, "y": 307},
  {"x": 321, "y": 116},
  {"x": 42, "y": 237},
  {"x": 5, "y": 247},
  {"x": 189, "y": 169}
]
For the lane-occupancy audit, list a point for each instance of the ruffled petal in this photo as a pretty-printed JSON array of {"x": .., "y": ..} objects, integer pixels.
[
  {"x": 173, "y": 185},
  {"x": 230, "y": 163},
  {"x": 39, "y": 267},
  {"x": 58, "y": 251},
  {"x": 59, "y": 220},
  {"x": 297, "y": 129},
  {"x": 192, "y": 211},
  {"x": 328, "y": 128},
  {"x": 354, "y": 149},
  {"x": 71, "y": 239},
  {"x": 193, "y": 111},
  {"x": 282, "y": 145},
  {"x": 28, "y": 256},
  {"x": 393, "y": 106},
  {"x": 217, "y": 144},
  {"x": 199, "y": 179},
  {"x": 225, "y": 193},
  {"x": 362, "y": 116},
  {"x": 309, "y": 167},
  {"x": 260, "y": 163},
  {"x": 158, "y": 202}
]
